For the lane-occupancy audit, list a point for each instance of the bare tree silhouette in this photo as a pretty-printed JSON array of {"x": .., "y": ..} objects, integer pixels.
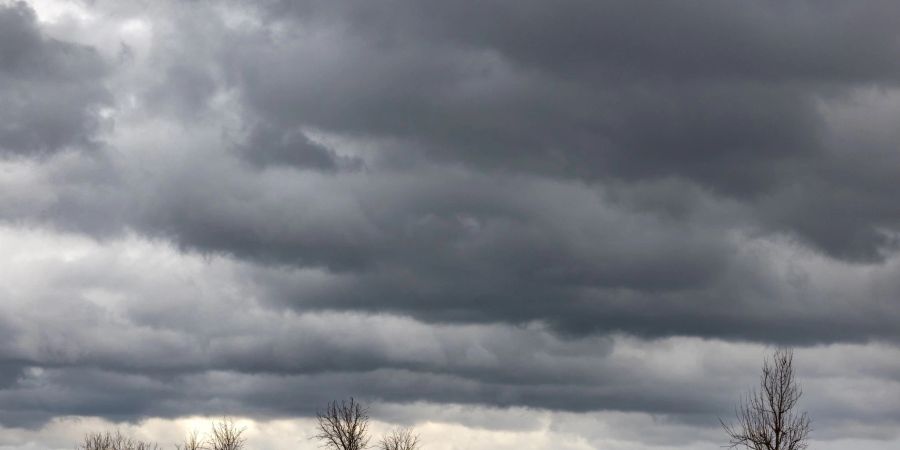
[
  {"x": 343, "y": 426},
  {"x": 113, "y": 441},
  {"x": 399, "y": 439},
  {"x": 192, "y": 441},
  {"x": 225, "y": 435},
  {"x": 766, "y": 419}
]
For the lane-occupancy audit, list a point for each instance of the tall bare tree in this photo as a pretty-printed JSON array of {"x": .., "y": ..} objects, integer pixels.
[
  {"x": 343, "y": 426},
  {"x": 767, "y": 419},
  {"x": 225, "y": 435},
  {"x": 399, "y": 439}
]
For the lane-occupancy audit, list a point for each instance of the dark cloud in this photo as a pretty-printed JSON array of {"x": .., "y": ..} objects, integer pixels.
[
  {"x": 132, "y": 329},
  {"x": 447, "y": 246},
  {"x": 507, "y": 185},
  {"x": 51, "y": 90},
  {"x": 267, "y": 146},
  {"x": 184, "y": 89},
  {"x": 726, "y": 96},
  {"x": 501, "y": 204}
]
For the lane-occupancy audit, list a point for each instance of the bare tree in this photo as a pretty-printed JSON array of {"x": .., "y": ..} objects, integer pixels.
[
  {"x": 399, "y": 439},
  {"x": 225, "y": 435},
  {"x": 192, "y": 441},
  {"x": 113, "y": 441},
  {"x": 343, "y": 426},
  {"x": 767, "y": 419}
]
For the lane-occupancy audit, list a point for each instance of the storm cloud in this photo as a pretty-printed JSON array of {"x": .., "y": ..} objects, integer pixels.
[
  {"x": 52, "y": 91},
  {"x": 577, "y": 207}
]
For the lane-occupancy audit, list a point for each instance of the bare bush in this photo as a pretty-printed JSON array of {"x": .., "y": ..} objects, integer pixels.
[
  {"x": 113, "y": 441},
  {"x": 399, "y": 439},
  {"x": 192, "y": 441},
  {"x": 225, "y": 435},
  {"x": 766, "y": 419},
  {"x": 343, "y": 426}
]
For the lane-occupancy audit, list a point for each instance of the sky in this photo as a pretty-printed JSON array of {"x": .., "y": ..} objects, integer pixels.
[{"x": 508, "y": 224}]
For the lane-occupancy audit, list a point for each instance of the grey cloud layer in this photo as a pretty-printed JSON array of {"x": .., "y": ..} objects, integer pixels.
[
  {"x": 51, "y": 90},
  {"x": 122, "y": 332},
  {"x": 489, "y": 199},
  {"x": 726, "y": 96},
  {"x": 479, "y": 177},
  {"x": 453, "y": 246}
]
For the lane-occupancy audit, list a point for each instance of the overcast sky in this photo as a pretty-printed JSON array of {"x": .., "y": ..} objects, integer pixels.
[{"x": 511, "y": 224}]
